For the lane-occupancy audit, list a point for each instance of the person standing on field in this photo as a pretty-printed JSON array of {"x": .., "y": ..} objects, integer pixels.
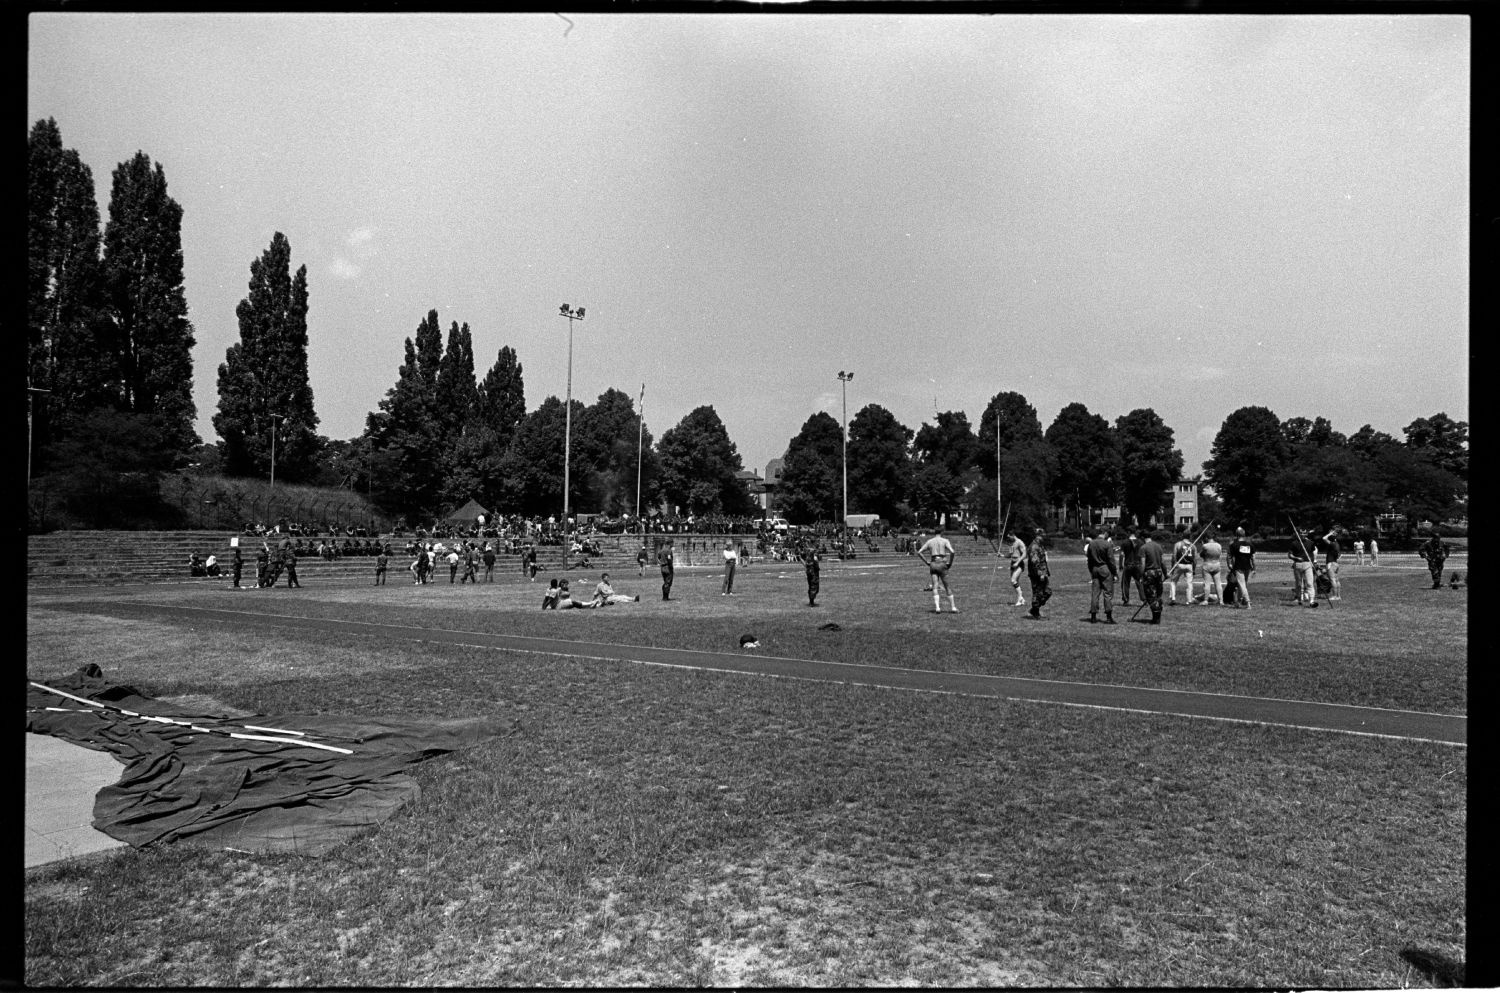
[
  {"x": 262, "y": 565},
  {"x": 1241, "y": 567},
  {"x": 811, "y": 566},
  {"x": 489, "y": 562},
  {"x": 1331, "y": 562},
  {"x": 938, "y": 553},
  {"x": 1302, "y": 569},
  {"x": 1130, "y": 568},
  {"x": 1434, "y": 553},
  {"x": 1016, "y": 549},
  {"x": 1153, "y": 574},
  {"x": 1359, "y": 551},
  {"x": 382, "y": 560},
  {"x": 1040, "y": 575},
  {"x": 1374, "y": 551},
  {"x": 640, "y": 560},
  {"x": 1212, "y": 554},
  {"x": 1100, "y": 559},
  {"x": 237, "y": 562},
  {"x": 731, "y": 561},
  {"x": 1183, "y": 554},
  {"x": 668, "y": 569}
]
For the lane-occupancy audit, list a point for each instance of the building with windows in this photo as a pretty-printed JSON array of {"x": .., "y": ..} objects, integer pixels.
[{"x": 1185, "y": 503}]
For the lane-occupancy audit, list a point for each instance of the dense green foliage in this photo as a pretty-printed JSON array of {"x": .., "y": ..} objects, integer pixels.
[{"x": 265, "y": 398}]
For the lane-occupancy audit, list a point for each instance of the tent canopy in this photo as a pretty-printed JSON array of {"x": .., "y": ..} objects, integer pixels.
[{"x": 468, "y": 512}]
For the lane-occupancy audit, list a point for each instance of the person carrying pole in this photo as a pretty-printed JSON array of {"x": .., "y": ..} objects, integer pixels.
[{"x": 1302, "y": 568}]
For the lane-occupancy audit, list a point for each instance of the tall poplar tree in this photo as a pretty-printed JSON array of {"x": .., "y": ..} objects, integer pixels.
[
  {"x": 1150, "y": 462},
  {"x": 403, "y": 435},
  {"x": 263, "y": 383},
  {"x": 147, "y": 333},
  {"x": 65, "y": 355}
]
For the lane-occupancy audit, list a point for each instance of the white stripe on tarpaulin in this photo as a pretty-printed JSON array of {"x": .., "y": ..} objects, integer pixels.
[{"x": 190, "y": 725}]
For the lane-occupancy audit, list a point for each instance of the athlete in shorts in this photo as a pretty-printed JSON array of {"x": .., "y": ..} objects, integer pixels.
[
  {"x": 1016, "y": 549},
  {"x": 938, "y": 553},
  {"x": 1213, "y": 582}
]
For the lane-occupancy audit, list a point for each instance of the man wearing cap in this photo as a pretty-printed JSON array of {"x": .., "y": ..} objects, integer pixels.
[
  {"x": 938, "y": 553},
  {"x": 1099, "y": 556},
  {"x": 1241, "y": 567},
  {"x": 1040, "y": 575},
  {"x": 664, "y": 560}
]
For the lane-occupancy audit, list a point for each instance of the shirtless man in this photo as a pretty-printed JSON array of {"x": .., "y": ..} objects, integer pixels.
[{"x": 938, "y": 553}]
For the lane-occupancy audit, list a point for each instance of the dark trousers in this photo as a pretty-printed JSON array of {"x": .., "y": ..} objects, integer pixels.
[{"x": 666, "y": 584}]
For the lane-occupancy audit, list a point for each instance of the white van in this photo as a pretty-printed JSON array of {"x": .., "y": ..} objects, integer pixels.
[{"x": 777, "y": 523}]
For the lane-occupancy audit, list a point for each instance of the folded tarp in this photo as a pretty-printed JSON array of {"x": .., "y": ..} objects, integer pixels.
[{"x": 198, "y": 785}]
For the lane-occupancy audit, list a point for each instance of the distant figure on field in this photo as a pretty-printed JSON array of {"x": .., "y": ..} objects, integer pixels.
[
  {"x": 551, "y": 597},
  {"x": 1331, "y": 563},
  {"x": 1434, "y": 553},
  {"x": 813, "y": 569},
  {"x": 731, "y": 560},
  {"x": 382, "y": 560},
  {"x": 668, "y": 568},
  {"x": 1130, "y": 568},
  {"x": 237, "y": 564},
  {"x": 1359, "y": 551},
  {"x": 1374, "y": 552},
  {"x": 604, "y": 593}
]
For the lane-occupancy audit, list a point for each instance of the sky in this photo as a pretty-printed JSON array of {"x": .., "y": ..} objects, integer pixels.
[{"x": 1187, "y": 213}]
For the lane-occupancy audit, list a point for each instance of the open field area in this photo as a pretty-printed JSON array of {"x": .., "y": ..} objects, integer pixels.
[{"x": 668, "y": 822}]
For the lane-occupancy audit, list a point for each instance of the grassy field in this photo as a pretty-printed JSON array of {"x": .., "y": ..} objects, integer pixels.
[{"x": 652, "y": 826}]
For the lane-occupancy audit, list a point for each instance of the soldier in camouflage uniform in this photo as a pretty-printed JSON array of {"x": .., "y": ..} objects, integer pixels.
[
  {"x": 1436, "y": 553},
  {"x": 810, "y": 563},
  {"x": 1040, "y": 575},
  {"x": 1153, "y": 573}
]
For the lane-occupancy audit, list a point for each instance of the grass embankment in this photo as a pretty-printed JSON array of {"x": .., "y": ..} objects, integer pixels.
[{"x": 666, "y": 827}]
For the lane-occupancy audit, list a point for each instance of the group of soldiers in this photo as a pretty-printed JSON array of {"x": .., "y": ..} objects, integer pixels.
[{"x": 270, "y": 563}]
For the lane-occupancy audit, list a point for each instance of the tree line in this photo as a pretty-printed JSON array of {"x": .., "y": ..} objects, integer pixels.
[{"x": 110, "y": 367}]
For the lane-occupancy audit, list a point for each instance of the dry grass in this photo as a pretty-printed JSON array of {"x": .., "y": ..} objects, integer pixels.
[{"x": 664, "y": 827}]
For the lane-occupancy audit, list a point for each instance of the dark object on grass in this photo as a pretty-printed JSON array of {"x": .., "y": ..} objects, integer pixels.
[
  {"x": 91, "y": 670},
  {"x": 1439, "y": 968},
  {"x": 830, "y": 626},
  {"x": 264, "y": 793},
  {"x": 1453, "y": 581},
  {"x": 749, "y": 641}
]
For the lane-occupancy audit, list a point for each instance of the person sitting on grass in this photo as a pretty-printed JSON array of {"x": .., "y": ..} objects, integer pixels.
[
  {"x": 565, "y": 599},
  {"x": 604, "y": 594},
  {"x": 551, "y": 597}
]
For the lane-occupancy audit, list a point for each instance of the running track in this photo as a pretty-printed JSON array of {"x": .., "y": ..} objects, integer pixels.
[{"x": 1339, "y": 718}]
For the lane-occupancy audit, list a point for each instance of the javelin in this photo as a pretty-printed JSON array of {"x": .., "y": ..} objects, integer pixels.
[
  {"x": 998, "y": 545},
  {"x": 1175, "y": 565}
]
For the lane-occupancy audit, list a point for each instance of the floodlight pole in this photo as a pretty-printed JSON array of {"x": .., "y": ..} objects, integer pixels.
[
  {"x": 844, "y": 378},
  {"x": 640, "y": 444},
  {"x": 276, "y": 420},
  {"x": 31, "y": 391},
  {"x": 571, "y": 315}
]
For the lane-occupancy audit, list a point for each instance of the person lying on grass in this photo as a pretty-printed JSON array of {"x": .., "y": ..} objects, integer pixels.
[{"x": 604, "y": 594}]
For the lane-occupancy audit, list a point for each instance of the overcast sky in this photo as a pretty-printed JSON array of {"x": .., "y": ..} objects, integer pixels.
[{"x": 1188, "y": 213}]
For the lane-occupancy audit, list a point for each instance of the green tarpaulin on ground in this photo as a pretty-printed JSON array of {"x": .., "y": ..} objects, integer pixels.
[{"x": 207, "y": 788}]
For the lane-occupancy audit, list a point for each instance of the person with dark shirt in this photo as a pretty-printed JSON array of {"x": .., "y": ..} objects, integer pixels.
[
  {"x": 811, "y": 566},
  {"x": 1130, "y": 568},
  {"x": 382, "y": 560},
  {"x": 289, "y": 560},
  {"x": 1434, "y": 553},
  {"x": 262, "y": 565},
  {"x": 664, "y": 560},
  {"x": 1153, "y": 575},
  {"x": 1331, "y": 563},
  {"x": 237, "y": 562},
  {"x": 1099, "y": 557},
  {"x": 489, "y": 562},
  {"x": 1241, "y": 567}
]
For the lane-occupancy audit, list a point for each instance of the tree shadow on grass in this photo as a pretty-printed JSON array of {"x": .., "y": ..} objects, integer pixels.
[{"x": 1440, "y": 969}]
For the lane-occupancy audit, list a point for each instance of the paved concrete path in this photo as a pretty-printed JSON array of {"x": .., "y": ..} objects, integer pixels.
[
  {"x": 61, "y": 780},
  {"x": 1343, "y": 718}
]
